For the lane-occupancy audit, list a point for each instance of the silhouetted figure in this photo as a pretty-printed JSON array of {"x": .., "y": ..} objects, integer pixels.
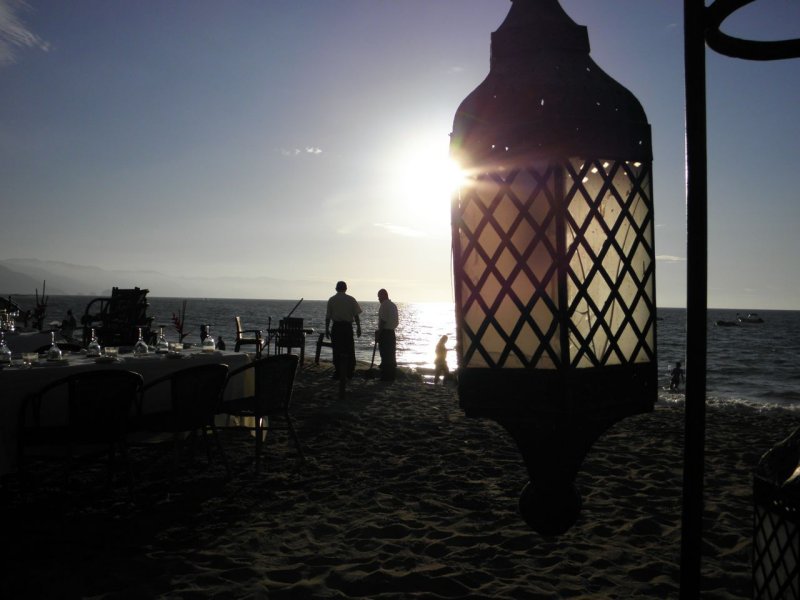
[
  {"x": 676, "y": 376},
  {"x": 220, "y": 343},
  {"x": 342, "y": 310},
  {"x": 440, "y": 362},
  {"x": 388, "y": 320},
  {"x": 68, "y": 325}
]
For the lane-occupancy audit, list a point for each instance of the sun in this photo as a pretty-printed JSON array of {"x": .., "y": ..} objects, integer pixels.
[{"x": 424, "y": 180}]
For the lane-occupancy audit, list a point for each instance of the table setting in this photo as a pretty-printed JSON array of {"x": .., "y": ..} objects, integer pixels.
[{"x": 23, "y": 373}]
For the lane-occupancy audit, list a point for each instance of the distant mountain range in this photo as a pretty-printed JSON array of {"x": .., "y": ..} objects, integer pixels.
[{"x": 21, "y": 276}]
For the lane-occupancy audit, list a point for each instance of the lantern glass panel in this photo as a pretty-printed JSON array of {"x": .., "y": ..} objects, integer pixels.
[
  {"x": 507, "y": 229},
  {"x": 509, "y": 235},
  {"x": 610, "y": 287}
]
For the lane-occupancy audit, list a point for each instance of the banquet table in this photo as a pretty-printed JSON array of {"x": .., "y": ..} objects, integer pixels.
[
  {"x": 16, "y": 382},
  {"x": 28, "y": 341}
]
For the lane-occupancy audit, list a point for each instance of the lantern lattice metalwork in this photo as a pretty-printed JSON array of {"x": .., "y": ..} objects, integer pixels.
[{"x": 554, "y": 262}]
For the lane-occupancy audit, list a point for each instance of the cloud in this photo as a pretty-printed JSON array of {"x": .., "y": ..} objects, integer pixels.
[
  {"x": 400, "y": 230},
  {"x": 668, "y": 258},
  {"x": 13, "y": 32},
  {"x": 297, "y": 151}
]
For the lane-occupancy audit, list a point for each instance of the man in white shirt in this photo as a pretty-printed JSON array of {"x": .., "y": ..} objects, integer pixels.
[
  {"x": 385, "y": 335},
  {"x": 342, "y": 311}
]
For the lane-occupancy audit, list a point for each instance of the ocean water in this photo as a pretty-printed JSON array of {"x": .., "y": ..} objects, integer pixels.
[{"x": 754, "y": 364}]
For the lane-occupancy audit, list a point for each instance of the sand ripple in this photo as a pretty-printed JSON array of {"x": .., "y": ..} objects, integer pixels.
[{"x": 400, "y": 496}]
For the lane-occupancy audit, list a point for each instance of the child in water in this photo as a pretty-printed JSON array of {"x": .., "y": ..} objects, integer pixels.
[
  {"x": 440, "y": 362},
  {"x": 676, "y": 376}
]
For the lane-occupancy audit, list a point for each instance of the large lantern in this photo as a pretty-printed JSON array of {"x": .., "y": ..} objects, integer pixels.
[{"x": 553, "y": 256}]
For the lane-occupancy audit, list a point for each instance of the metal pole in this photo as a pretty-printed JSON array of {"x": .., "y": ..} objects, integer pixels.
[
  {"x": 295, "y": 308},
  {"x": 696, "y": 297}
]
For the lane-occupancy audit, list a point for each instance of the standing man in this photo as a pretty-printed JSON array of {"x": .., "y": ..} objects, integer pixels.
[
  {"x": 385, "y": 336},
  {"x": 342, "y": 310}
]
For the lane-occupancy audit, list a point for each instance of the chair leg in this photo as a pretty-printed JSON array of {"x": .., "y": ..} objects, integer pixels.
[
  {"x": 221, "y": 450},
  {"x": 122, "y": 448},
  {"x": 218, "y": 444},
  {"x": 129, "y": 474},
  {"x": 259, "y": 433},
  {"x": 68, "y": 464},
  {"x": 206, "y": 444},
  {"x": 175, "y": 451},
  {"x": 111, "y": 464},
  {"x": 292, "y": 431}
]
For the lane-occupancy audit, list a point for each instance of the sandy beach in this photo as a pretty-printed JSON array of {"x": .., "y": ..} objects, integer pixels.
[{"x": 400, "y": 496}]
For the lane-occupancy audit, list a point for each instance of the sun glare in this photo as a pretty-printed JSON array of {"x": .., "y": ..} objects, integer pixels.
[{"x": 425, "y": 179}]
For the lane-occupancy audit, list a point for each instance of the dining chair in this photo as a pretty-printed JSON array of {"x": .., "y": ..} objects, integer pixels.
[
  {"x": 272, "y": 395},
  {"x": 290, "y": 334},
  {"x": 321, "y": 343},
  {"x": 248, "y": 337},
  {"x": 79, "y": 412},
  {"x": 118, "y": 318},
  {"x": 194, "y": 398}
]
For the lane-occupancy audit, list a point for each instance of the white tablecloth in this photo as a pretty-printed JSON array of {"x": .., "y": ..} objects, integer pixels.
[
  {"x": 16, "y": 383},
  {"x": 28, "y": 341}
]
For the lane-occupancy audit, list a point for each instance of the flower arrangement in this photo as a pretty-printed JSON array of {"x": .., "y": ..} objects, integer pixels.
[
  {"x": 179, "y": 322},
  {"x": 41, "y": 308}
]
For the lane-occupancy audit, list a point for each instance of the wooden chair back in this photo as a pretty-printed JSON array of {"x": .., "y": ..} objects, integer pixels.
[
  {"x": 274, "y": 381},
  {"x": 89, "y": 408},
  {"x": 290, "y": 335},
  {"x": 245, "y": 337}
]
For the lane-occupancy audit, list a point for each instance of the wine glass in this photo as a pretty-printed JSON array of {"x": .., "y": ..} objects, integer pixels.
[
  {"x": 54, "y": 353},
  {"x": 93, "y": 348},
  {"x": 208, "y": 342},
  {"x": 5, "y": 351},
  {"x": 162, "y": 346},
  {"x": 140, "y": 348}
]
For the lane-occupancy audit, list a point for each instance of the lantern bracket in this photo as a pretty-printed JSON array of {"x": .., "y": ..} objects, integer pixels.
[{"x": 735, "y": 47}]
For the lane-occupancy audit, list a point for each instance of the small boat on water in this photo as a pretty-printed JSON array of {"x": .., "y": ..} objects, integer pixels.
[
  {"x": 750, "y": 318},
  {"x": 723, "y": 323}
]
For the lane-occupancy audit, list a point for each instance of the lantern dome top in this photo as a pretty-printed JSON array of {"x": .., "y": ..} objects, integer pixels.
[
  {"x": 545, "y": 95},
  {"x": 537, "y": 24}
]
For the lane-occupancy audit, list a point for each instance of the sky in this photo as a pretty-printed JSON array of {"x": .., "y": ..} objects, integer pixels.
[{"x": 304, "y": 139}]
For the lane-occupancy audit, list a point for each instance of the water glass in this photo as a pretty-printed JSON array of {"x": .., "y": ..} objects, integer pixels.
[
  {"x": 162, "y": 346},
  {"x": 208, "y": 342},
  {"x": 93, "y": 348},
  {"x": 140, "y": 348},
  {"x": 54, "y": 353}
]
